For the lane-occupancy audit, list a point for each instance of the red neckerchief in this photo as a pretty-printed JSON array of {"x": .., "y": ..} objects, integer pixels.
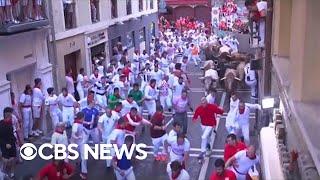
[
  {"x": 241, "y": 111},
  {"x": 8, "y": 122},
  {"x": 176, "y": 175},
  {"x": 78, "y": 121},
  {"x": 59, "y": 131}
]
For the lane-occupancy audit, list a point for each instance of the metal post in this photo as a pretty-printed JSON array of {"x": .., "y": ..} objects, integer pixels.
[{"x": 268, "y": 40}]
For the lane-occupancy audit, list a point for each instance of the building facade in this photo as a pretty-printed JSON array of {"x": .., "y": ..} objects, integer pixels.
[
  {"x": 86, "y": 30},
  {"x": 295, "y": 82},
  {"x": 198, "y": 9},
  {"x": 23, "y": 57}
]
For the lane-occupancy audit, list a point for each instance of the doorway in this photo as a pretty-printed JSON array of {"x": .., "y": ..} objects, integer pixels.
[{"x": 71, "y": 63}]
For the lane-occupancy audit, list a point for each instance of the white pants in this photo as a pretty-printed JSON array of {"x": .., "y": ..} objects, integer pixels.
[
  {"x": 80, "y": 92},
  {"x": 244, "y": 129},
  {"x": 206, "y": 130},
  {"x": 166, "y": 101},
  {"x": 68, "y": 115},
  {"x": 195, "y": 59},
  {"x": 94, "y": 133},
  {"x": 102, "y": 100},
  {"x": 112, "y": 153},
  {"x": 151, "y": 107},
  {"x": 252, "y": 84},
  {"x": 262, "y": 31},
  {"x": 27, "y": 121},
  {"x": 129, "y": 175},
  {"x": 55, "y": 117},
  {"x": 157, "y": 142}
]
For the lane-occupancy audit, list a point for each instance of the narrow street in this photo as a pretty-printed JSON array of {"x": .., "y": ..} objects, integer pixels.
[{"x": 150, "y": 168}]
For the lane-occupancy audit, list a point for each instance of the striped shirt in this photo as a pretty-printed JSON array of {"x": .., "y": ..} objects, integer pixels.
[{"x": 100, "y": 88}]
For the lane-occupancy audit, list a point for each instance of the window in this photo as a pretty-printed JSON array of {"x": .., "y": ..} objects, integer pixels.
[
  {"x": 151, "y": 4},
  {"x": 153, "y": 29},
  {"x": 69, "y": 14},
  {"x": 142, "y": 34},
  {"x": 140, "y": 5},
  {"x": 130, "y": 40},
  {"x": 114, "y": 9},
  {"x": 129, "y": 7},
  {"x": 94, "y": 5}
]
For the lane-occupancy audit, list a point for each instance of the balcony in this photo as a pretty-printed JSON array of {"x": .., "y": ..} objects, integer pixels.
[{"x": 23, "y": 17}]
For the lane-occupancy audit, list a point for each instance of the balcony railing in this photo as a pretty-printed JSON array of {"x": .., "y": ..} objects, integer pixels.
[{"x": 22, "y": 16}]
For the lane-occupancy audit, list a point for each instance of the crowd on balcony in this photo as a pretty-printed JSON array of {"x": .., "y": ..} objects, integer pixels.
[{"x": 17, "y": 11}]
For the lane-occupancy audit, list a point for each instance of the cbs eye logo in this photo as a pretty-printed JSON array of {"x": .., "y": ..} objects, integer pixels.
[{"x": 28, "y": 151}]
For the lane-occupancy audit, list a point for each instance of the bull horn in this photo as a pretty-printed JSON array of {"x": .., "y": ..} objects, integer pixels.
[
  {"x": 223, "y": 78},
  {"x": 237, "y": 79},
  {"x": 201, "y": 78}
]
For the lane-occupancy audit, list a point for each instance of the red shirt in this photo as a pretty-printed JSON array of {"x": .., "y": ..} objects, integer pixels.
[
  {"x": 207, "y": 114},
  {"x": 52, "y": 173},
  {"x": 129, "y": 127},
  {"x": 229, "y": 150},
  {"x": 157, "y": 120},
  {"x": 227, "y": 175}
]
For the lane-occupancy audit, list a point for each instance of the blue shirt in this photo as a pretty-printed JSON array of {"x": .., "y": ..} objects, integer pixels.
[
  {"x": 90, "y": 114},
  {"x": 124, "y": 163}
]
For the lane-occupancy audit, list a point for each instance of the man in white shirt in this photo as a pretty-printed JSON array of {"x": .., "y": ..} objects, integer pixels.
[
  {"x": 100, "y": 90},
  {"x": 176, "y": 171},
  {"x": 178, "y": 87},
  {"x": 260, "y": 7},
  {"x": 68, "y": 102},
  {"x": 157, "y": 74},
  {"x": 231, "y": 125},
  {"x": 128, "y": 104},
  {"x": 242, "y": 162},
  {"x": 151, "y": 96},
  {"x": 95, "y": 77},
  {"x": 37, "y": 105},
  {"x": 250, "y": 80},
  {"x": 106, "y": 125},
  {"x": 242, "y": 115},
  {"x": 52, "y": 103},
  {"x": 211, "y": 97},
  {"x": 80, "y": 84},
  {"x": 180, "y": 148}
]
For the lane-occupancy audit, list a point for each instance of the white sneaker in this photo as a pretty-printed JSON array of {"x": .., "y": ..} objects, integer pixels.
[{"x": 39, "y": 131}]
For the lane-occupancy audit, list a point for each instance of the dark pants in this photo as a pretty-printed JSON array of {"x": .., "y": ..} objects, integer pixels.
[{"x": 182, "y": 119}]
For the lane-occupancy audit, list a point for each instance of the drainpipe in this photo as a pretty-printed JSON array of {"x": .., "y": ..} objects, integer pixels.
[
  {"x": 268, "y": 42},
  {"x": 53, "y": 48}
]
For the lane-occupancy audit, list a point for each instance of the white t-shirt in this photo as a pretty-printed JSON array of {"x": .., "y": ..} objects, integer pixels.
[
  {"x": 178, "y": 150},
  {"x": 157, "y": 75},
  {"x": 184, "y": 175},
  {"x": 172, "y": 135},
  {"x": 244, "y": 162},
  {"x": 108, "y": 123},
  {"x": 25, "y": 100},
  {"x": 262, "y": 5},
  {"x": 233, "y": 104},
  {"x": 211, "y": 73},
  {"x": 211, "y": 99},
  {"x": 150, "y": 93},
  {"x": 67, "y": 101},
  {"x": 70, "y": 85},
  {"x": 37, "y": 97},
  {"x": 58, "y": 138},
  {"x": 80, "y": 80},
  {"x": 178, "y": 88},
  {"x": 94, "y": 79},
  {"x": 117, "y": 135},
  {"x": 52, "y": 102},
  {"x": 77, "y": 130},
  {"x": 126, "y": 106}
]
